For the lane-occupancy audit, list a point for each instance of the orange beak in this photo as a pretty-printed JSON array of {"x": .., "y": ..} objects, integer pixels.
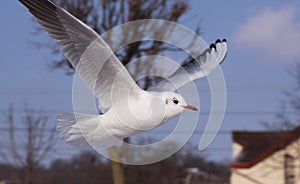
[{"x": 189, "y": 107}]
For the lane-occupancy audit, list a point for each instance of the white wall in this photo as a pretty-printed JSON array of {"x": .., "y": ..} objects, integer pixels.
[{"x": 269, "y": 170}]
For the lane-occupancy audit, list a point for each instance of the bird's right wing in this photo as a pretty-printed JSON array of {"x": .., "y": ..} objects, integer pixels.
[
  {"x": 89, "y": 54},
  {"x": 196, "y": 68}
]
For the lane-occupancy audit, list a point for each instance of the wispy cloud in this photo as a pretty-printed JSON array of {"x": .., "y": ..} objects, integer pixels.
[{"x": 273, "y": 33}]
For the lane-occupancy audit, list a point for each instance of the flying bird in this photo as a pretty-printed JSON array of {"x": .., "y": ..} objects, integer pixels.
[{"x": 127, "y": 109}]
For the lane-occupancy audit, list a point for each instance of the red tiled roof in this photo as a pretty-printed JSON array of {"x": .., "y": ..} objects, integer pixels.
[{"x": 258, "y": 145}]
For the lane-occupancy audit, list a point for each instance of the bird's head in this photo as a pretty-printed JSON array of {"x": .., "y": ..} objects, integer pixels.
[{"x": 175, "y": 104}]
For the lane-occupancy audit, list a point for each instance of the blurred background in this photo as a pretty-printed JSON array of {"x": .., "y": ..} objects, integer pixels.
[{"x": 261, "y": 73}]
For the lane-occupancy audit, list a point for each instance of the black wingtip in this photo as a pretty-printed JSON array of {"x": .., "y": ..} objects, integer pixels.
[
  {"x": 212, "y": 46},
  {"x": 34, "y": 4}
]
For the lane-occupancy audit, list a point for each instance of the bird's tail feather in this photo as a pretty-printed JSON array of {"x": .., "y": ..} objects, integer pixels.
[
  {"x": 82, "y": 130},
  {"x": 71, "y": 127}
]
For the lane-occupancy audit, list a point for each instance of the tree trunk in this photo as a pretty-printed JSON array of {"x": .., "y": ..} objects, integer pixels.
[
  {"x": 117, "y": 168},
  {"x": 28, "y": 179}
]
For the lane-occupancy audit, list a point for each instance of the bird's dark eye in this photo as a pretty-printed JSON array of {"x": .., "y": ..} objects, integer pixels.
[{"x": 175, "y": 101}]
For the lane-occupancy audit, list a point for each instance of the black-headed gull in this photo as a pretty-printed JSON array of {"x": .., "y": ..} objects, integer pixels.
[{"x": 127, "y": 108}]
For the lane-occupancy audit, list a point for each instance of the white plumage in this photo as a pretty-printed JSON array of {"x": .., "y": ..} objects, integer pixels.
[{"x": 127, "y": 109}]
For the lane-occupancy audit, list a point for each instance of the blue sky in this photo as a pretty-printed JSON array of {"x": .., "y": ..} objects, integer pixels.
[{"x": 262, "y": 38}]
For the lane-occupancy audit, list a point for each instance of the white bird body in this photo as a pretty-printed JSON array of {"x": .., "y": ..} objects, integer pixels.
[
  {"x": 127, "y": 109},
  {"x": 78, "y": 129}
]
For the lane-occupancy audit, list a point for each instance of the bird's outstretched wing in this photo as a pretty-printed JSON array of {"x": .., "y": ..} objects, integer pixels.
[
  {"x": 89, "y": 54},
  {"x": 194, "y": 69}
]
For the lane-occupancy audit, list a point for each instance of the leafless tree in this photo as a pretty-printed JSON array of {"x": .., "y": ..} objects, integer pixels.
[
  {"x": 103, "y": 15},
  {"x": 26, "y": 142},
  {"x": 286, "y": 121},
  {"x": 289, "y": 116},
  {"x": 293, "y": 96}
]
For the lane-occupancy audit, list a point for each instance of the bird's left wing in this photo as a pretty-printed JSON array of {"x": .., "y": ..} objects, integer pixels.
[
  {"x": 89, "y": 54},
  {"x": 196, "y": 68}
]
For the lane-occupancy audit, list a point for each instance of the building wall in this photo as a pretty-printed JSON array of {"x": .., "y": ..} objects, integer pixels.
[
  {"x": 269, "y": 170},
  {"x": 237, "y": 148}
]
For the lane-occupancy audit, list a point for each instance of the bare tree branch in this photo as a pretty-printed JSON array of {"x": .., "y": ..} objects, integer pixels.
[
  {"x": 106, "y": 14},
  {"x": 27, "y": 148}
]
